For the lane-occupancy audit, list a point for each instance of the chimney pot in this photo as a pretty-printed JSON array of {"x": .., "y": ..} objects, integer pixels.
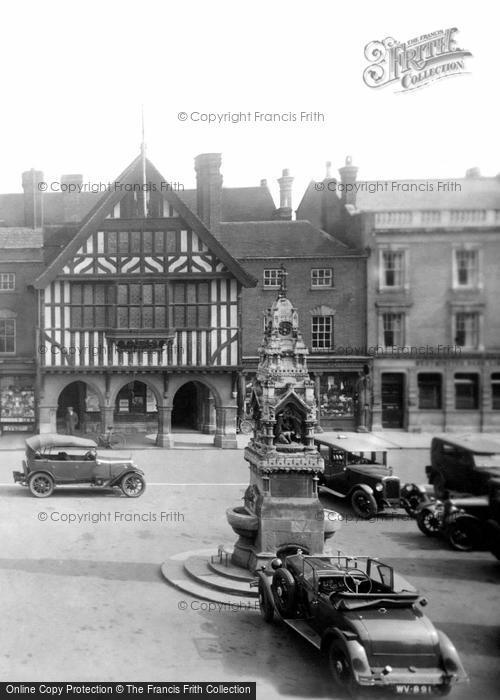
[
  {"x": 263, "y": 183},
  {"x": 473, "y": 172}
]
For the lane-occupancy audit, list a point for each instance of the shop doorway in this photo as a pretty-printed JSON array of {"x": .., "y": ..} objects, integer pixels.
[{"x": 393, "y": 414}]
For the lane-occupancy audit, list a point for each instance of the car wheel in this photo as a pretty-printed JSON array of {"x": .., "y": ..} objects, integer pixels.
[
  {"x": 284, "y": 592},
  {"x": 439, "y": 484},
  {"x": 363, "y": 504},
  {"x": 133, "y": 485},
  {"x": 444, "y": 689},
  {"x": 41, "y": 485},
  {"x": 428, "y": 522},
  {"x": 265, "y": 605},
  {"x": 464, "y": 533},
  {"x": 341, "y": 669}
]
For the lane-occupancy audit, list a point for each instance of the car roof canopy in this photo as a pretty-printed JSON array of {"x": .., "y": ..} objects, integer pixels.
[
  {"x": 40, "y": 442},
  {"x": 473, "y": 443},
  {"x": 359, "y": 442}
]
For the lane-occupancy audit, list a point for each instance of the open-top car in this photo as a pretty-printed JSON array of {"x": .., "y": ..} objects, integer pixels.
[
  {"x": 364, "y": 617},
  {"x": 356, "y": 468},
  {"x": 54, "y": 460}
]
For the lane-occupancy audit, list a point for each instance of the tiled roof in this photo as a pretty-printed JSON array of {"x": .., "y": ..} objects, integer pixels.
[
  {"x": 239, "y": 203},
  {"x": 17, "y": 237},
  {"x": 278, "y": 239}
]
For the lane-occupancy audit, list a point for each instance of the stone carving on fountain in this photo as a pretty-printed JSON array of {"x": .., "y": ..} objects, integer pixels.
[{"x": 281, "y": 504}]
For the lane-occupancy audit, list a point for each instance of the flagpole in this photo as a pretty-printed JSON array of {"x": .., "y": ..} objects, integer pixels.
[{"x": 143, "y": 159}]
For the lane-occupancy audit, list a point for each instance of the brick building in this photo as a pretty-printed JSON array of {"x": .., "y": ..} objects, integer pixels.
[
  {"x": 21, "y": 261},
  {"x": 433, "y": 328}
]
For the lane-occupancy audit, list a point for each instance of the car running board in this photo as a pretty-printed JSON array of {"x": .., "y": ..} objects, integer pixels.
[
  {"x": 305, "y": 630},
  {"x": 334, "y": 493}
]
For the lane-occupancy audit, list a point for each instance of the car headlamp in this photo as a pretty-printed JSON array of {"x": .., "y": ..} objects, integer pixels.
[{"x": 379, "y": 487}]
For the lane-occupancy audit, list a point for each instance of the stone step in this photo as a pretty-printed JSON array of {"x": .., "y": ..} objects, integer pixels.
[
  {"x": 197, "y": 568},
  {"x": 230, "y": 571},
  {"x": 174, "y": 573}
]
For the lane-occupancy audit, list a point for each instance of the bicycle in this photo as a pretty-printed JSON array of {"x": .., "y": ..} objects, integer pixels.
[{"x": 109, "y": 439}]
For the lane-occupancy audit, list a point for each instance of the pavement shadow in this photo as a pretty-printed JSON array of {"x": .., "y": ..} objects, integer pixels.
[
  {"x": 462, "y": 568},
  {"x": 107, "y": 570}
]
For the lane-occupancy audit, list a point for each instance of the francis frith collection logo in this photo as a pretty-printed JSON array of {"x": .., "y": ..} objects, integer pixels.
[{"x": 414, "y": 63}]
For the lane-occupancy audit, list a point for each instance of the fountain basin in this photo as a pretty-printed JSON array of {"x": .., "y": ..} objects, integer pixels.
[
  {"x": 244, "y": 524},
  {"x": 333, "y": 522}
]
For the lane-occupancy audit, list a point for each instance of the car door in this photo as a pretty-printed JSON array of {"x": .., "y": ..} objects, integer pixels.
[
  {"x": 58, "y": 463},
  {"x": 82, "y": 466}
]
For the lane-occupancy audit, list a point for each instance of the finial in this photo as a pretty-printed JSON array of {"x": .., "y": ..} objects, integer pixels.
[
  {"x": 328, "y": 169},
  {"x": 348, "y": 160}
]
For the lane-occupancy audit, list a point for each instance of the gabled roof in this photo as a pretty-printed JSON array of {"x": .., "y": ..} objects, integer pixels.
[
  {"x": 133, "y": 174},
  {"x": 278, "y": 239}
]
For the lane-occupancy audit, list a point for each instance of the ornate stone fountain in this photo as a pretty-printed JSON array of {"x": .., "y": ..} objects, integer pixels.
[{"x": 281, "y": 504}]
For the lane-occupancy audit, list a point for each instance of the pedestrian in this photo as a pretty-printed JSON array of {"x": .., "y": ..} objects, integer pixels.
[{"x": 71, "y": 421}]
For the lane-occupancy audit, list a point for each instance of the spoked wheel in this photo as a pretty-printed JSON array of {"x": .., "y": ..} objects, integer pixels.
[
  {"x": 284, "y": 591},
  {"x": 428, "y": 522},
  {"x": 363, "y": 504},
  {"x": 133, "y": 485},
  {"x": 41, "y": 485},
  {"x": 341, "y": 669},
  {"x": 464, "y": 533},
  {"x": 265, "y": 605}
]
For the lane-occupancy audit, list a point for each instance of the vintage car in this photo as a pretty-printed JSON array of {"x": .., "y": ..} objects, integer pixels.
[
  {"x": 365, "y": 618},
  {"x": 466, "y": 522},
  {"x": 463, "y": 464},
  {"x": 356, "y": 469},
  {"x": 60, "y": 460}
]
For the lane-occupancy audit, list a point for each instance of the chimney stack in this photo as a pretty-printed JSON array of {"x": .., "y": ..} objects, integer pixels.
[
  {"x": 348, "y": 179},
  {"x": 33, "y": 198},
  {"x": 209, "y": 189},
  {"x": 285, "y": 182},
  {"x": 473, "y": 173},
  {"x": 71, "y": 197}
]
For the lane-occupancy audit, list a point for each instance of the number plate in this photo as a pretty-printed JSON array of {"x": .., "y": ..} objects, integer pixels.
[{"x": 417, "y": 689}]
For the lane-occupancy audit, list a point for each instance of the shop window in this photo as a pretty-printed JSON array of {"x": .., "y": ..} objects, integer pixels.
[
  {"x": 430, "y": 391},
  {"x": 337, "y": 392},
  {"x": 466, "y": 391},
  {"x": 495, "y": 391}
]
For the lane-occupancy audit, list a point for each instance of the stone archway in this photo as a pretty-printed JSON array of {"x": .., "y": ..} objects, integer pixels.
[
  {"x": 134, "y": 407},
  {"x": 85, "y": 401},
  {"x": 193, "y": 408}
]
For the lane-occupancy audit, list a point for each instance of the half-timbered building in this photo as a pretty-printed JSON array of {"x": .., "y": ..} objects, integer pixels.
[{"x": 139, "y": 313}]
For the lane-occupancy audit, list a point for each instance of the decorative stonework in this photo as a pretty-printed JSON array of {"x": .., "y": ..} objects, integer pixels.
[{"x": 284, "y": 462}]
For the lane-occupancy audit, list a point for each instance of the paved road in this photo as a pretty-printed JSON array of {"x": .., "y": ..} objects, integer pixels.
[{"x": 85, "y": 600}]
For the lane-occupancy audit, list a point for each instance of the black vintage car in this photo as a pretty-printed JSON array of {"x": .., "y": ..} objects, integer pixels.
[
  {"x": 365, "y": 618},
  {"x": 61, "y": 460},
  {"x": 466, "y": 522},
  {"x": 356, "y": 469},
  {"x": 463, "y": 464}
]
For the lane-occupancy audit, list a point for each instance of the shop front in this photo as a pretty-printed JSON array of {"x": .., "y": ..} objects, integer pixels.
[{"x": 17, "y": 404}]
